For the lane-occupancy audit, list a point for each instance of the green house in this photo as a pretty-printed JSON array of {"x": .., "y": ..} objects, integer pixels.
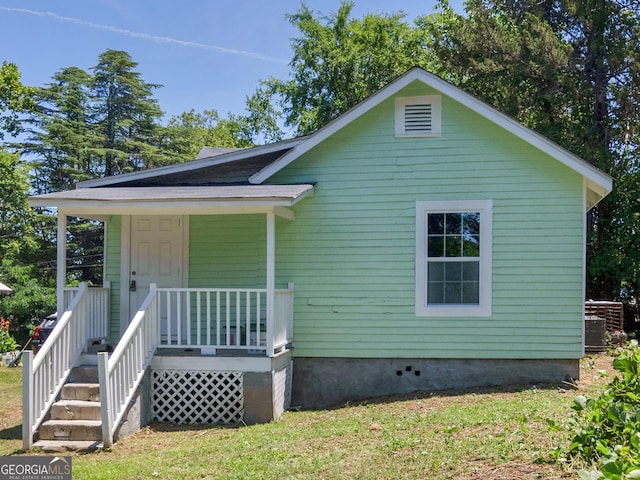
[{"x": 420, "y": 241}]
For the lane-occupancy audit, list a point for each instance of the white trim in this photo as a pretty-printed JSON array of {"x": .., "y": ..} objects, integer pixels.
[
  {"x": 105, "y": 230},
  {"x": 185, "y": 249},
  {"x": 125, "y": 268},
  {"x": 485, "y": 207},
  {"x": 271, "y": 278},
  {"x": 101, "y": 202},
  {"x": 585, "y": 208},
  {"x": 434, "y": 101},
  {"x": 61, "y": 259},
  {"x": 599, "y": 182}
]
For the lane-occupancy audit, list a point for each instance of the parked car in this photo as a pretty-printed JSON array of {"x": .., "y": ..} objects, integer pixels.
[{"x": 42, "y": 332}]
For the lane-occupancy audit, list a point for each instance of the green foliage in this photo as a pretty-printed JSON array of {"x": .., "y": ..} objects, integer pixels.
[
  {"x": 16, "y": 229},
  {"x": 15, "y": 98},
  {"x": 187, "y": 133},
  {"x": 606, "y": 430},
  {"x": 338, "y": 61},
  {"x": 569, "y": 70},
  {"x": 126, "y": 115},
  {"x": 7, "y": 342},
  {"x": 64, "y": 142}
]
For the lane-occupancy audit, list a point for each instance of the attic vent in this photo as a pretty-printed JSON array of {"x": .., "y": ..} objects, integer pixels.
[{"x": 418, "y": 116}]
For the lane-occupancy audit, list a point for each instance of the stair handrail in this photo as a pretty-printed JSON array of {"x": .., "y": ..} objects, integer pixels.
[
  {"x": 121, "y": 372},
  {"x": 44, "y": 376}
]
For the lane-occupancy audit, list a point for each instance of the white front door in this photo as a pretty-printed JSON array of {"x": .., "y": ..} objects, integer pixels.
[{"x": 156, "y": 256}]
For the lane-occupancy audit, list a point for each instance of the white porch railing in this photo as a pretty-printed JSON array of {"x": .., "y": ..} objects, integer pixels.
[
  {"x": 120, "y": 374},
  {"x": 219, "y": 319},
  {"x": 97, "y": 315},
  {"x": 44, "y": 375},
  {"x": 179, "y": 317}
]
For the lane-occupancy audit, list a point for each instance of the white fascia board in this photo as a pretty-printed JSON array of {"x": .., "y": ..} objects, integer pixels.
[
  {"x": 596, "y": 177},
  {"x": 191, "y": 165},
  {"x": 102, "y": 210}
]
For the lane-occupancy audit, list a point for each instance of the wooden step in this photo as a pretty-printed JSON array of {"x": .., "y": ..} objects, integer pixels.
[
  {"x": 75, "y": 410},
  {"x": 73, "y": 430}
]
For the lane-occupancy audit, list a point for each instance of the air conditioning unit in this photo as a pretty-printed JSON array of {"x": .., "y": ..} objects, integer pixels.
[{"x": 595, "y": 329}]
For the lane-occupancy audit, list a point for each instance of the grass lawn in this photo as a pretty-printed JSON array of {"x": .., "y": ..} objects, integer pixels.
[{"x": 484, "y": 434}]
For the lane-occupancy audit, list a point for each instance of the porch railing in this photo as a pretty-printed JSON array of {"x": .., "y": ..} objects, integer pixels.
[
  {"x": 121, "y": 373},
  {"x": 97, "y": 315},
  {"x": 181, "y": 317},
  {"x": 225, "y": 319},
  {"x": 44, "y": 375}
]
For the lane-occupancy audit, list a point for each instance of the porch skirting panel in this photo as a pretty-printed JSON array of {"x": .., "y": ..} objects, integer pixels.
[
  {"x": 189, "y": 397},
  {"x": 326, "y": 382},
  {"x": 190, "y": 389}
]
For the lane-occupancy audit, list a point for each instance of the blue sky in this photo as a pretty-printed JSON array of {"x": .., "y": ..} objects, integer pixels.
[{"x": 207, "y": 54}]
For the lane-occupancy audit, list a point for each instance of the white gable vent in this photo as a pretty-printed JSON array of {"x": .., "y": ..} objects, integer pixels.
[{"x": 418, "y": 116}]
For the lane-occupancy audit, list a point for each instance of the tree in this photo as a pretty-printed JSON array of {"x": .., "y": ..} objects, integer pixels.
[
  {"x": 568, "y": 69},
  {"x": 65, "y": 136},
  {"x": 335, "y": 65},
  {"x": 186, "y": 134},
  {"x": 15, "y": 98},
  {"x": 19, "y": 247},
  {"x": 127, "y": 115}
]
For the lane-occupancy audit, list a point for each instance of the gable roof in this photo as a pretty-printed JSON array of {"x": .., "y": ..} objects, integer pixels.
[{"x": 597, "y": 183}]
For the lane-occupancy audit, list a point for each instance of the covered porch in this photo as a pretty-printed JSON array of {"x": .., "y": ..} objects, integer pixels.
[{"x": 166, "y": 333}]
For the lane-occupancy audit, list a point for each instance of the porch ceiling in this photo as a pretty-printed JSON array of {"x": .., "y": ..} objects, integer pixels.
[{"x": 101, "y": 202}]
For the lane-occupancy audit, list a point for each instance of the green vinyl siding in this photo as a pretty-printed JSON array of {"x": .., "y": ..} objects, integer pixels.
[
  {"x": 351, "y": 249},
  {"x": 112, "y": 273}
]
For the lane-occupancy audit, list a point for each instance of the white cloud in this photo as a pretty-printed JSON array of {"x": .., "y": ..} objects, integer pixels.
[{"x": 146, "y": 36}]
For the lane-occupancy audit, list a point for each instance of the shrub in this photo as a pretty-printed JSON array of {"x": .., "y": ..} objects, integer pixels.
[
  {"x": 606, "y": 430},
  {"x": 7, "y": 342}
]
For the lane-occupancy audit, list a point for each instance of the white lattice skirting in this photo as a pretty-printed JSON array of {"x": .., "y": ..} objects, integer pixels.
[{"x": 190, "y": 397}]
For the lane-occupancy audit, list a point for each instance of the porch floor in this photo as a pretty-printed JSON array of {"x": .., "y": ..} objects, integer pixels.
[{"x": 197, "y": 352}]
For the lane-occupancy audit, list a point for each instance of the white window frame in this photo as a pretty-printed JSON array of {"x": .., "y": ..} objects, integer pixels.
[
  {"x": 436, "y": 115},
  {"x": 423, "y": 208}
]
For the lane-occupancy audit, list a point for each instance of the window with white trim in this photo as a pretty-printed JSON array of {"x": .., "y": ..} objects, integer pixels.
[
  {"x": 418, "y": 116},
  {"x": 453, "y": 258}
]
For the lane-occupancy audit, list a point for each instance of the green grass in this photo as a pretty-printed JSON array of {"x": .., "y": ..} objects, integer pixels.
[{"x": 497, "y": 433}]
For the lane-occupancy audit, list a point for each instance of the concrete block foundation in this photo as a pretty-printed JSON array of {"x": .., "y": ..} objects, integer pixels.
[{"x": 327, "y": 382}]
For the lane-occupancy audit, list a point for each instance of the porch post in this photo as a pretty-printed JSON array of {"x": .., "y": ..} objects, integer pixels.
[
  {"x": 61, "y": 270},
  {"x": 271, "y": 277}
]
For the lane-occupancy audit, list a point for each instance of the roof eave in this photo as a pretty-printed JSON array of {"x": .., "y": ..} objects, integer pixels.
[{"x": 196, "y": 164}]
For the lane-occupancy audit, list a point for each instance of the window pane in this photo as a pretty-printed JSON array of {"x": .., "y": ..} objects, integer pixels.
[
  {"x": 453, "y": 293},
  {"x": 453, "y": 272},
  {"x": 453, "y": 283},
  {"x": 435, "y": 246},
  {"x": 471, "y": 271},
  {"x": 471, "y": 223},
  {"x": 435, "y": 293},
  {"x": 453, "y": 223},
  {"x": 435, "y": 223},
  {"x": 471, "y": 246},
  {"x": 471, "y": 293},
  {"x": 453, "y": 246},
  {"x": 436, "y": 272}
]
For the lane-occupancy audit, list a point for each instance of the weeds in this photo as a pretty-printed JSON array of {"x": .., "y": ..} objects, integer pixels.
[{"x": 606, "y": 430}]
